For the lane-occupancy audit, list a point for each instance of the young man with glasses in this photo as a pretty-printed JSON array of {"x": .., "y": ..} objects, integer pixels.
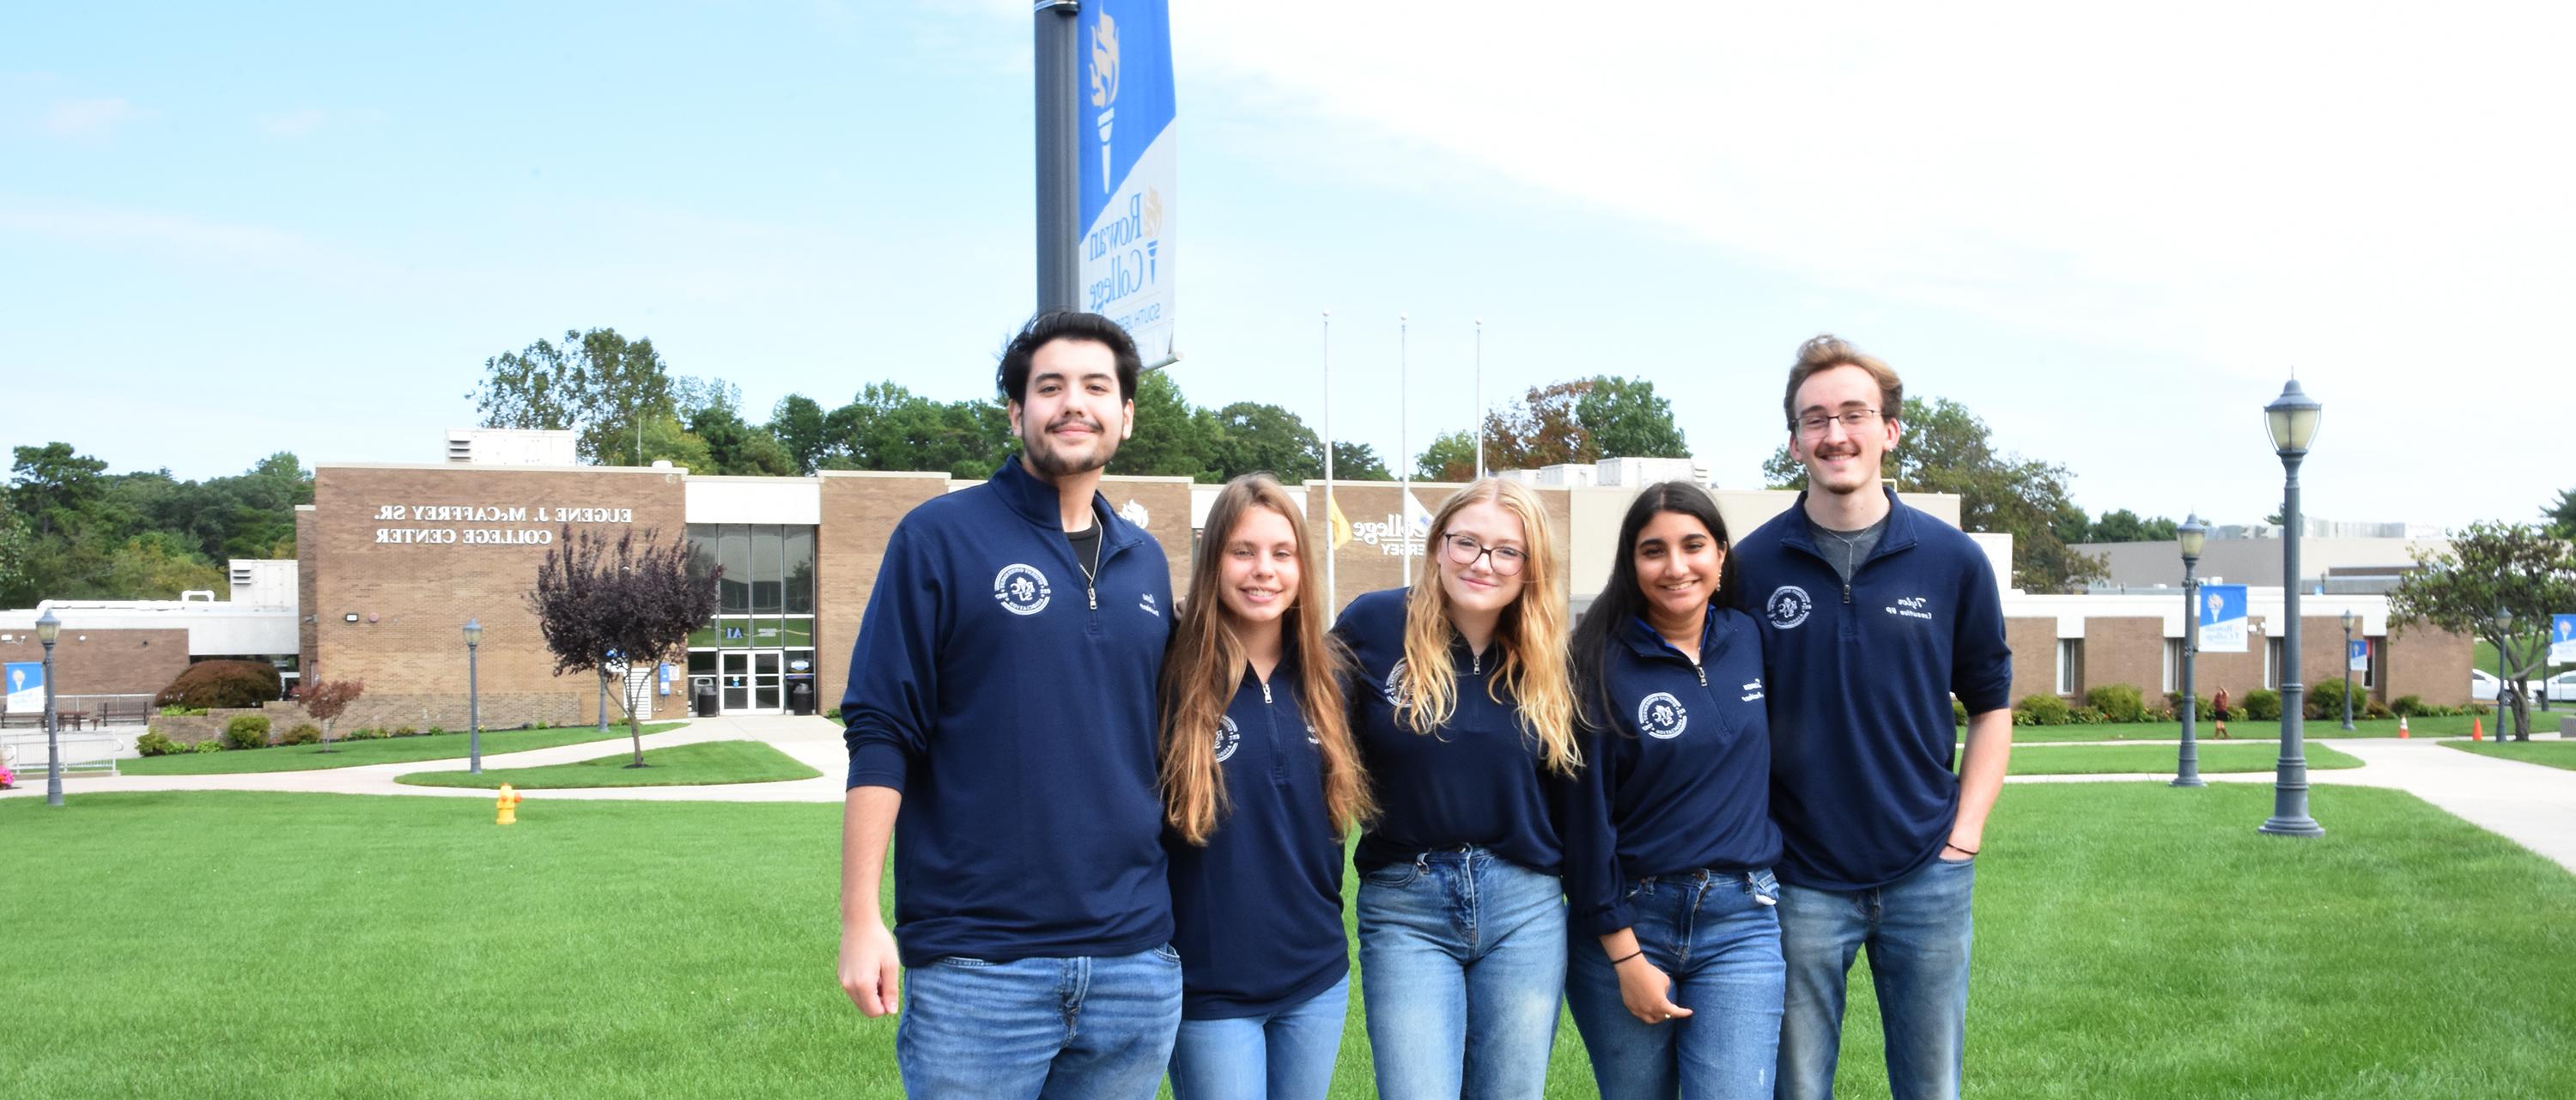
[
  {"x": 1875, "y": 614},
  {"x": 1002, "y": 727}
]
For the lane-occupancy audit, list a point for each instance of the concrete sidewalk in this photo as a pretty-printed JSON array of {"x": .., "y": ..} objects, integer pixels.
[
  {"x": 812, "y": 741},
  {"x": 2529, "y": 804}
]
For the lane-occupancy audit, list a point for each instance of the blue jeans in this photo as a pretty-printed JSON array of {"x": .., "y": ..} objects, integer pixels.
[
  {"x": 1717, "y": 936},
  {"x": 1286, "y": 1055},
  {"x": 1462, "y": 959},
  {"x": 1918, "y": 930},
  {"x": 1074, "y": 1028}
]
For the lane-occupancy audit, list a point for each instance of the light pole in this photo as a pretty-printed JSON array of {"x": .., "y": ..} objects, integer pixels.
[
  {"x": 49, "y": 628},
  {"x": 2504, "y": 689},
  {"x": 2351, "y": 622},
  {"x": 473, "y": 700},
  {"x": 2292, "y": 421},
  {"x": 2192, "y": 535}
]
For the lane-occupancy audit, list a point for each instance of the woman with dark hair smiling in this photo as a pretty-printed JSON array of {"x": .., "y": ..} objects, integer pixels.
[
  {"x": 1260, "y": 783},
  {"x": 1674, "y": 973}
]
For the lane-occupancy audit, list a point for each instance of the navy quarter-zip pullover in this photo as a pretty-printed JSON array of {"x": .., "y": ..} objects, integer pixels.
[
  {"x": 1011, "y": 700},
  {"x": 1257, "y": 911},
  {"x": 1863, "y": 784},
  {"x": 1477, "y": 780},
  {"x": 1679, "y": 771}
]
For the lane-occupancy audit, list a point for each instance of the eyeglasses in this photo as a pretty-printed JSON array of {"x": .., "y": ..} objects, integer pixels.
[
  {"x": 1853, "y": 420},
  {"x": 1464, "y": 550}
]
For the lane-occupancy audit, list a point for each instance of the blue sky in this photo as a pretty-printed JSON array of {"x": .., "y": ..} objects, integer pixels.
[{"x": 2112, "y": 235}]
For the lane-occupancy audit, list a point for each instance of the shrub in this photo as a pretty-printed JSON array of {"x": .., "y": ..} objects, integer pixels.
[
  {"x": 302, "y": 733},
  {"x": 2480, "y": 709},
  {"x": 221, "y": 684},
  {"x": 2173, "y": 705},
  {"x": 405, "y": 731},
  {"x": 367, "y": 734},
  {"x": 157, "y": 743},
  {"x": 2085, "y": 716},
  {"x": 2411, "y": 706},
  {"x": 1958, "y": 712},
  {"x": 181, "y": 712},
  {"x": 2326, "y": 701},
  {"x": 435, "y": 731},
  {"x": 2117, "y": 703},
  {"x": 2263, "y": 705},
  {"x": 2376, "y": 709},
  {"x": 210, "y": 744},
  {"x": 248, "y": 731},
  {"x": 2040, "y": 710}
]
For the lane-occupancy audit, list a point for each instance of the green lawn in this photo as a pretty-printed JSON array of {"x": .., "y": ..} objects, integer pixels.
[
  {"x": 2555, "y": 754},
  {"x": 2223, "y": 756},
  {"x": 351, "y": 754},
  {"x": 693, "y": 765},
  {"x": 2248, "y": 730},
  {"x": 2133, "y": 940}
]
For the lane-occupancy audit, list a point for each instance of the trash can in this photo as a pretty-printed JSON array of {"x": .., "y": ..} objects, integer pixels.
[
  {"x": 800, "y": 697},
  {"x": 702, "y": 697}
]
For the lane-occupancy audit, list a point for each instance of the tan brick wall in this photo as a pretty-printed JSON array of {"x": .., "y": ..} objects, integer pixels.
[
  {"x": 111, "y": 662},
  {"x": 1362, "y": 566},
  {"x": 859, "y": 514},
  {"x": 2126, "y": 650},
  {"x": 306, "y": 616},
  {"x": 2034, "y": 655},
  {"x": 1166, "y": 505},
  {"x": 2428, "y": 662},
  {"x": 412, "y": 599}
]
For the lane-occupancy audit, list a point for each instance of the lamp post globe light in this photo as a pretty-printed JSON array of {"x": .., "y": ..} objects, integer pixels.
[
  {"x": 2351, "y": 622},
  {"x": 2190, "y": 538},
  {"x": 473, "y": 700},
  {"x": 49, "y": 628},
  {"x": 2292, "y": 421}
]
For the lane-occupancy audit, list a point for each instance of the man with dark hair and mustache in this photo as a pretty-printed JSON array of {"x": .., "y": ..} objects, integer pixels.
[
  {"x": 1873, "y": 616},
  {"x": 1001, "y": 724}
]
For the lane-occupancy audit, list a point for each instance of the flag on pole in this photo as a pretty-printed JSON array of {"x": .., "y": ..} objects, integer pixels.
[{"x": 1341, "y": 524}]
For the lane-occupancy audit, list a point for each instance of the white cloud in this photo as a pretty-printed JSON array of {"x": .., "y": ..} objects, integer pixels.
[{"x": 90, "y": 118}]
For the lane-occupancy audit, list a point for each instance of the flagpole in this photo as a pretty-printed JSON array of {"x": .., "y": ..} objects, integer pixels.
[
  {"x": 1332, "y": 592},
  {"x": 1404, "y": 443},
  {"x": 1478, "y": 424}
]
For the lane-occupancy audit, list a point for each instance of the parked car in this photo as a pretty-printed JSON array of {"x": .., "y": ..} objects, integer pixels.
[
  {"x": 2482, "y": 687},
  {"x": 2562, "y": 688}
]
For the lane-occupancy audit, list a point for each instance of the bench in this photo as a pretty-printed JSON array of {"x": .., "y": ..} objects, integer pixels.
[
  {"x": 92, "y": 752},
  {"x": 35, "y": 719}
]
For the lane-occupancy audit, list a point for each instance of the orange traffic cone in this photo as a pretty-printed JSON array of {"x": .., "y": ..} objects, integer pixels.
[
  {"x": 2401, "y": 728},
  {"x": 2477, "y": 728}
]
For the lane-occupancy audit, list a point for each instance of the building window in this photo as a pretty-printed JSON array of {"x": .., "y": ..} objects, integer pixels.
[
  {"x": 2370, "y": 663},
  {"x": 2070, "y": 657},
  {"x": 2173, "y": 664},
  {"x": 2272, "y": 663}
]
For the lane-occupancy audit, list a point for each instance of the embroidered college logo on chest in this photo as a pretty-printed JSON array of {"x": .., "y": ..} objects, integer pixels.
[
  {"x": 1661, "y": 716},
  {"x": 1788, "y": 606},
  {"x": 1394, "y": 687},
  {"x": 1229, "y": 737},
  {"x": 1021, "y": 589}
]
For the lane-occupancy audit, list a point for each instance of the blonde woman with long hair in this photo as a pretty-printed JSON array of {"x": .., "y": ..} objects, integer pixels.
[
  {"x": 1260, "y": 784},
  {"x": 1465, "y": 719}
]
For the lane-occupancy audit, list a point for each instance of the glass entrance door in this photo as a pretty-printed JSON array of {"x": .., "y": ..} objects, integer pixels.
[{"x": 752, "y": 681}]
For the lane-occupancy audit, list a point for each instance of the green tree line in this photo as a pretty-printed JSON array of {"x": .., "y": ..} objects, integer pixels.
[{"x": 74, "y": 531}]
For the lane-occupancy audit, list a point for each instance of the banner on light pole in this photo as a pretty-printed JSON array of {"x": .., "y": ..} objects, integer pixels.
[
  {"x": 2222, "y": 618},
  {"x": 2562, "y": 639},
  {"x": 2357, "y": 655},
  {"x": 1129, "y": 166}
]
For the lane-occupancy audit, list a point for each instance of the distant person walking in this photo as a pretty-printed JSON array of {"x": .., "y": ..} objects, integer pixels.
[{"x": 2218, "y": 712}]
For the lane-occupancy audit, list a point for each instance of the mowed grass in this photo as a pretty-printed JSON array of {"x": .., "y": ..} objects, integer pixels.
[
  {"x": 2248, "y": 730},
  {"x": 2223, "y": 756},
  {"x": 2555, "y": 754},
  {"x": 352, "y": 754},
  {"x": 2133, "y": 940},
  {"x": 693, "y": 765}
]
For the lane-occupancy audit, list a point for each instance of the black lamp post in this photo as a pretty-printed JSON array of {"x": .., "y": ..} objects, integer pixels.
[
  {"x": 2504, "y": 688},
  {"x": 2190, "y": 537},
  {"x": 473, "y": 700},
  {"x": 49, "y": 628},
  {"x": 2351, "y": 622},
  {"x": 2292, "y": 421}
]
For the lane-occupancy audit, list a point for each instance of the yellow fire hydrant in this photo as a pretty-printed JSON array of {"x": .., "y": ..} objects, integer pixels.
[{"x": 508, "y": 806}]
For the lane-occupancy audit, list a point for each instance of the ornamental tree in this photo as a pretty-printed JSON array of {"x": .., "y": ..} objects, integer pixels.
[
  {"x": 606, "y": 605},
  {"x": 326, "y": 700},
  {"x": 2488, "y": 568}
]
